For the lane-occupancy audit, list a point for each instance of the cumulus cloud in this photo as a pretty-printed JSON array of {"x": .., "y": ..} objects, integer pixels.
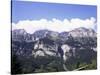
[{"x": 55, "y": 24}]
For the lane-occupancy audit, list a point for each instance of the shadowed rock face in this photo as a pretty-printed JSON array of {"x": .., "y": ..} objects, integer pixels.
[{"x": 45, "y": 47}]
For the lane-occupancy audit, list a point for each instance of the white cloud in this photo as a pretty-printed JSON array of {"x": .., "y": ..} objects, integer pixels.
[{"x": 54, "y": 24}]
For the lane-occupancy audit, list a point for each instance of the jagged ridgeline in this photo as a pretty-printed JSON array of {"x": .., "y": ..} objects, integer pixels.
[{"x": 50, "y": 51}]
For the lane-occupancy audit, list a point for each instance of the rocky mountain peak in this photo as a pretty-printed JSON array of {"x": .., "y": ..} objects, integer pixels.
[{"x": 82, "y": 32}]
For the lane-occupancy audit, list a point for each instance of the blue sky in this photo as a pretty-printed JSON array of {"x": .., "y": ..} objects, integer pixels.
[{"x": 22, "y": 10}]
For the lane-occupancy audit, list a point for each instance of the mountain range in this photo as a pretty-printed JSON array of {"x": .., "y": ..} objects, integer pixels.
[
  {"x": 21, "y": 34},
  {"x": 46, "y": 46}
]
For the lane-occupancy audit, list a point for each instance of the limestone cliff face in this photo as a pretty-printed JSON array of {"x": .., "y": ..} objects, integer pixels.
[{"x": 47, "y": 46}]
